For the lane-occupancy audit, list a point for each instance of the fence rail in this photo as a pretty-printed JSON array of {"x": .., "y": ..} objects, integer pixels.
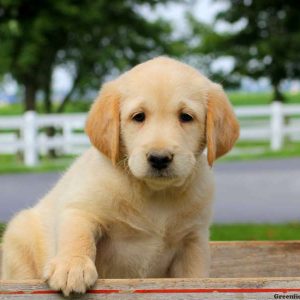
[{"x": 27, "y": 133}]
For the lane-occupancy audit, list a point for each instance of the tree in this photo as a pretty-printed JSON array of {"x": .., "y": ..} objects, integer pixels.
[
  {"x": 88, "y": 37},
  {"x": 266, "y": 43},
  {"x": 207, "y": 46}
]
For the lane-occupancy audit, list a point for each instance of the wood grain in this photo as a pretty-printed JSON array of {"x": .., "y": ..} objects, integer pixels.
[
  {"x": 255, "y": 259},
  {"x": 273, "y": 266},
  {"x": 150, "y": 289}
]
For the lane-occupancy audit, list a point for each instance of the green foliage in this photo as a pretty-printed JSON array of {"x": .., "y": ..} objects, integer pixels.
[
  {"x": 90, "y": 39},
  {"x": 265, "y": 43}
]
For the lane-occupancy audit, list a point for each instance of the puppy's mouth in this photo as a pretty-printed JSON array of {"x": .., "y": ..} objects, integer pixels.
[
  {"x": 159, "y": 180},
  {"x": 163, "y": 174}
]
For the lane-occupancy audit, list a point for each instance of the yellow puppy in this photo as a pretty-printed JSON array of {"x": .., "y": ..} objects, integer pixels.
[{"x": 138, "y": 203}]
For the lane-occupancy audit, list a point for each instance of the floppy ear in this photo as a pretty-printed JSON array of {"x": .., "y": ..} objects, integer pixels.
[
  {"x": 222, "y": 127},
  {"x": 103, "y": 123}
]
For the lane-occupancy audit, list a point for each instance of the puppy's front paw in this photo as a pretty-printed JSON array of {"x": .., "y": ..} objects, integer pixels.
[{"x": 71, "y": 274}]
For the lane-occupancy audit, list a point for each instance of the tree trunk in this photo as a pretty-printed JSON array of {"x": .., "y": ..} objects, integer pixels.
[
  {"x": 51, "y": 130},
  {"x": 30, "y": 97},
  {"x": 47, "y": 98},
  {"x": 47, "y": 90},
  {"x": 68, "y": 96},
  {"x": 278, "y": 96}
]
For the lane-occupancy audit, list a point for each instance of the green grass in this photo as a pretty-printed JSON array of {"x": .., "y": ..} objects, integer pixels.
[
  {"x": 247, "y": 232},
  {"x": 291, "y": 149},
  {"x": 72, "y": 107},
  {"x": 12, "y": 109},
  {"x": 14, "y": 164},
  {"x": 2, "y": 227},
  {"x": 261, "y": 98}
]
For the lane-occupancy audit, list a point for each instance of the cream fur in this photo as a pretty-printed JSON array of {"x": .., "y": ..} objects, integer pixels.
[{"x": 113, "y": 218}]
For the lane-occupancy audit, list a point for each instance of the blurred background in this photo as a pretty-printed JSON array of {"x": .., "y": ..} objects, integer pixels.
[{"x": 54, "y": 56}]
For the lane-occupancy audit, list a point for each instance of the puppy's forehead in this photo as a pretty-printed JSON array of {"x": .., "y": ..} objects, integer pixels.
[{"x": 164, "y": 78}]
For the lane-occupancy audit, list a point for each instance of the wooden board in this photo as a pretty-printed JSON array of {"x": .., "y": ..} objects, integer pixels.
[
  {"x": 255, "y": 259},
  {"x": 273, "y": 266},
  {"x": 163, "y": 289}
]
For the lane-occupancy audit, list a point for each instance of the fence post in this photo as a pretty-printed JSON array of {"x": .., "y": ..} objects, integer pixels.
[
  {"x": 67, "y": 135},
  {"x": 277, "y": 124},
  {"x": 30, "y": 139}
]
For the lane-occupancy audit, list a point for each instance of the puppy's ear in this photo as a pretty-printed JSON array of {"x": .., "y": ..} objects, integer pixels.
[
  {"x": 103, "y": 123},
  {"x": 222, "y": 127}
]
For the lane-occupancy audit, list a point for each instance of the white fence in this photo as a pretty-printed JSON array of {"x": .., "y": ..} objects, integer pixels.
[{"x": 26, "y": 134}]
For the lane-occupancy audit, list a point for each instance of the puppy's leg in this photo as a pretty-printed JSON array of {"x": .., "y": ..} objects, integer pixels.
[
  {"x": 23, "y": 247},
  {"x": 73, "y": 269},
  {"x": 193, "y": 259}
]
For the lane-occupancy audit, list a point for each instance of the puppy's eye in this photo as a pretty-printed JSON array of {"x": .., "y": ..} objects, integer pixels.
[
  {"x": 184, "y": 118},
  {"x": 139, "y": 117}
]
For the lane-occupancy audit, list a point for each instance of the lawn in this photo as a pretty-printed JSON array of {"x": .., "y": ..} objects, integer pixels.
[
  {"x": 261, "y": 150},
  {"x": 13, "y": 164},
  {"x": 72, "y": 107},
  {"x": 247, "y": 232},
  {"x": 245, "y": 98},
  {"x": 1, "y": 230}
]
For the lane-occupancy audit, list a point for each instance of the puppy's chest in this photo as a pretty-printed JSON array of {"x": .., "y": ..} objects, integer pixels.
[
  {"x": 166, "y": 223},
  {"x": 142, "y": 241},
  {"x": 154, "y": 227}
]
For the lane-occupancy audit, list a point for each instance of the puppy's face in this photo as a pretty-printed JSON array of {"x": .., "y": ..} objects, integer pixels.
[
  {"x": 162, "y": 125},
  {"x": 162, "y": 113}
]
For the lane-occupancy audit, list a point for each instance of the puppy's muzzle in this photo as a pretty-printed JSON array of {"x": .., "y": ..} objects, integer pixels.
[{"x": 159, "y": 160}]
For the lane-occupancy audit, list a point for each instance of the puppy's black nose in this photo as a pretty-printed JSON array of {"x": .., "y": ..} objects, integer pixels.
[{"x": 160, "y": 160}]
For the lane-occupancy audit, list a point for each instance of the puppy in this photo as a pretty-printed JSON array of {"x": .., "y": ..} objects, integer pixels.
[{"x": 138, "y": 203}]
